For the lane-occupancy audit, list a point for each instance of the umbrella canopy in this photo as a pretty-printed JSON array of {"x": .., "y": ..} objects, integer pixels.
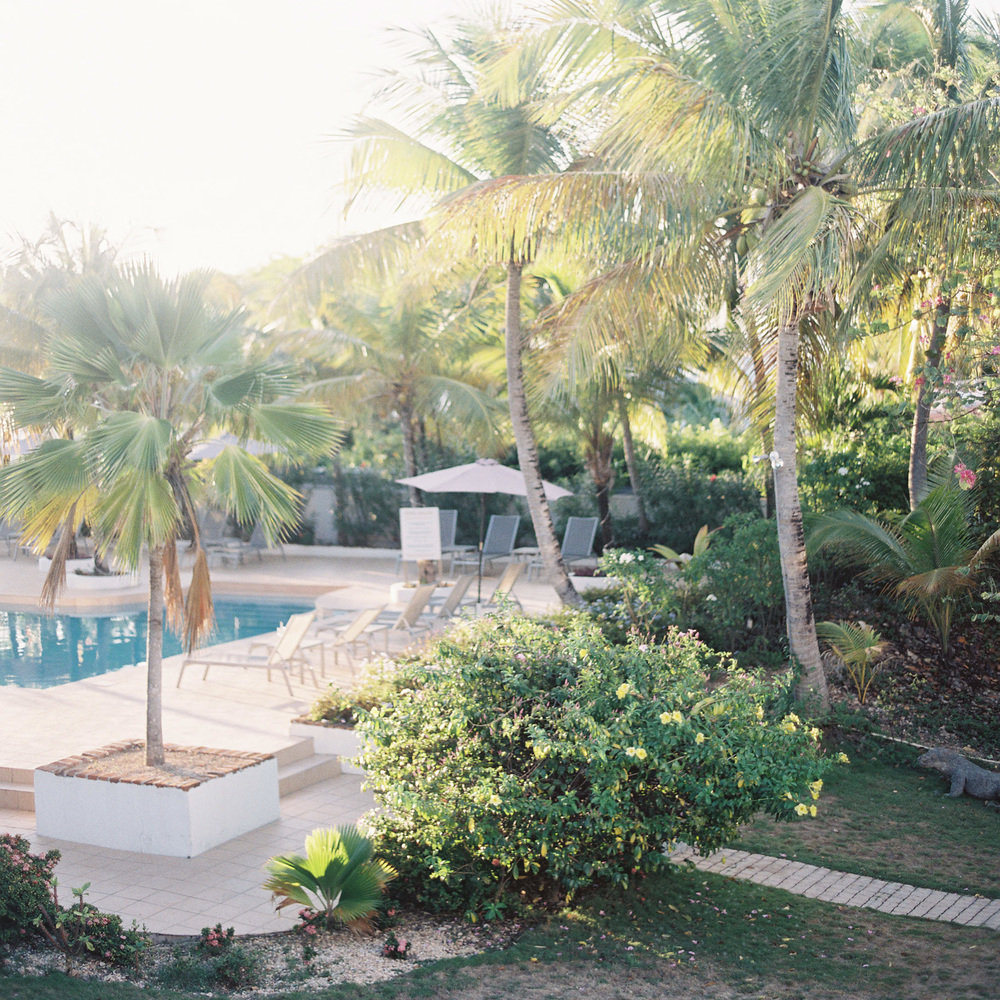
[{"x": 485, "y": 475}]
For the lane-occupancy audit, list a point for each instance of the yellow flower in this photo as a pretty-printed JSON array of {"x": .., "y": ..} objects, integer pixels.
[
  {"x": 640, "y": 753},
  {"x": 760, "y": 712},
  {"x": 623, "y": 689},
  {"x": 789, "y": 796},
  {"x": 812, "y": 811},
  {"x": 700, "y": 738},
  {"x": 815, "y": 788},
  {"x": 494, "y": 799},
  {"x": 666, "y": 717},
  {"x": 801, "y": 810},
  {"x": 630, "y": 752},
  {"x": 815, "y": 733},
  {"x": 792, "y": 717},
  {"x": 842, "y": 758}
]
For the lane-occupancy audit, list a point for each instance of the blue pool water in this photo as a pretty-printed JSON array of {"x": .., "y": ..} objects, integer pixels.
[{"x": 39, "y": 650}]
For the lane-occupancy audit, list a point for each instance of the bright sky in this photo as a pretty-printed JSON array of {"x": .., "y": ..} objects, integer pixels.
[{"x": 197, "y": 129}]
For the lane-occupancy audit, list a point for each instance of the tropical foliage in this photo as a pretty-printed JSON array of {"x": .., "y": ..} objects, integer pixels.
[
  {"x": 338, "y": 875},
  {"x": 137, "y": 372}
]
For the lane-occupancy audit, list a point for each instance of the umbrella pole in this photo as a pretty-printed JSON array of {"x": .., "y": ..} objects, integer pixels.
[{"x": 482, "y": 532}]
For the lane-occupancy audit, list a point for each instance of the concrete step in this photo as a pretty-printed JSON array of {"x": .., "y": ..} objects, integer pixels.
[
  {"x": 298, "y": 750},
  {"x": 17, "y": 788},
  {"x": 306, "y": 771}
]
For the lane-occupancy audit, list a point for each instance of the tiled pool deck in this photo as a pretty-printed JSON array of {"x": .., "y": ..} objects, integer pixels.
[{"x": 233, "y": 709}]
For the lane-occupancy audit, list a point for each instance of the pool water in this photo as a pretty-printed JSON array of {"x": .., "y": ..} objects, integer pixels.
[{"x": 39, "y": 650}]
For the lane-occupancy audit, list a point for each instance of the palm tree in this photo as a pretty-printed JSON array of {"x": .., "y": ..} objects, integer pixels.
[
  {"x": 927, "y": 556},
  {"x": 730, "y": 128},
  {"x": 138, "y": 371},
  {"x": 407, "y": 353},
  {"x": 459, "y": 138}
]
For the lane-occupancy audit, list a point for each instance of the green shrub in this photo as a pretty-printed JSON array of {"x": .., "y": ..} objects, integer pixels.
[
  {"x": 868, "y": 472},
  {"x": 235, "y": 968},
  {"x": 380, "y": 679},
  {"x": 546, "y": 759},
  {"x": 82, "y": 930},
  {"x": 679, "y": 500},
  {"x": 735, "y": 589},
  {"x": 712, "y": 449},
  {"x": 25, "y": 884}
]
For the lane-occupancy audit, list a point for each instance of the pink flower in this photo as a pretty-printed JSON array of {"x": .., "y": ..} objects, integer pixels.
[
  {"x": 995, "y": 349},
  {"x": 919, "y": 381},
  {"x": 966, "y": 477}
]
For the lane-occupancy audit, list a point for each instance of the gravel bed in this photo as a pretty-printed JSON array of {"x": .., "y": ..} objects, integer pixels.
[{"x": 339, "y": 956}]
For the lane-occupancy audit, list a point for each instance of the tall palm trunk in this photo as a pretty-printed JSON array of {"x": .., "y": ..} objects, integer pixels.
[
  {"x": 154, "y": 660},
  {"x": 791, "y": 538},
  {"x": 406, "y": 423},
  {"x": 527, "y": 449},
  {"x": 922, "y": 410},
  {"x": 632, "y": 465},
  {"x": 601, "y": 467}
]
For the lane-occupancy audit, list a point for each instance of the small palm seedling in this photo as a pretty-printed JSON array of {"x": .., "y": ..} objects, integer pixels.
[
  {"x": 338, "y": 876},
  {"x": 858, "y": 647}
]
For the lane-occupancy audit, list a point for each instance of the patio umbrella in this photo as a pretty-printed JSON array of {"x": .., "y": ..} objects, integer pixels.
[{"x": 485, "y": 475}]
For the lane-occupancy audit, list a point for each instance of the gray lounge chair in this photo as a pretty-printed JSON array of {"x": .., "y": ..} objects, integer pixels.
[
  {"x": 499, "y": 542},
  {"x": 577, "y": 543}
]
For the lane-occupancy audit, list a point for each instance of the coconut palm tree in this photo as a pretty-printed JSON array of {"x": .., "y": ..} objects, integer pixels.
[
  {"x": 729, "y": 127},
  {"x": 457, "y": 138},
  {"x": 138, "y": 371}
]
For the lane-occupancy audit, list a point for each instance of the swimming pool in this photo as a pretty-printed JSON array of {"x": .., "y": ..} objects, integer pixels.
[{"x": 40, "y": 651}]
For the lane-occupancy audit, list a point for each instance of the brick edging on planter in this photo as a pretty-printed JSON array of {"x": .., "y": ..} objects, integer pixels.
[{"x": 78, "y": 766}]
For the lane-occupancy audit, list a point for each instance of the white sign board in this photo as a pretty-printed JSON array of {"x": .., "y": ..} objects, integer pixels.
[{"x": 420, "y": 533}]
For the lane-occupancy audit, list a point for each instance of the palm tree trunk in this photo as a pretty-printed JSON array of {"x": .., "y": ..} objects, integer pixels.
[
  {"x": 601, "y": 467},
  {"x": 791, "y": 538},
  {"x": 410, "y": 453},
  {"x": 154, "y": 660},
  {"x": 922, "y": 410},
  {"x": 632, "y": 465},
  {"x": 527, "y": 448}
]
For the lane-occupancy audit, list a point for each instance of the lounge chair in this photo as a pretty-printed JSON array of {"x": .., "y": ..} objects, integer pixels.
[
  {"x": 577, "y": 543},
  {"x": 408, "y": 622},
  {"x": 451, "y": 604},
  {"x": 347, "y": 636},
  {"x": 504, "y": 590},
  {"x": 498, "y": 544},
  {"x": 283, "y": 654}
]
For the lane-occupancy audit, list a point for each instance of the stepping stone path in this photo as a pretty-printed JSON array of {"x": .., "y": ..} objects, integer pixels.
[{"x": 846, "y": 889}]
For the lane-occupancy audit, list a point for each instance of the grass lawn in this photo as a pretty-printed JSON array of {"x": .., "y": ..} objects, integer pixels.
[
  {"x": 679, "y": 934},
  {"x": 884, "y": 817}
]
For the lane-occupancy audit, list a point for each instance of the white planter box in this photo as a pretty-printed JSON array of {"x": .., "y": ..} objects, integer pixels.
[
  {"x": 153, "y": 819},
  {"x": 333, "y": 741}
]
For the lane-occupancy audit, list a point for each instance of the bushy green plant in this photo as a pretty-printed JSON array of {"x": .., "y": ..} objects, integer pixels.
[
  {"x": 645, "y": 598},
  {"x": 546, "y": 759},
  {"x": 857, "y": 646},
  {"x": 680, "y": 499},
  {"x": 25, "y": 884},
  {"x": 380, "y": 679},
  {"x": 338, "y": 871},
  {"x": 712, "y": 450},
  {"x": 235, "y": 968},
  {"x": 82, "y": 930},
  {"x": 736, "y": 595},
  {"x": 867, "y": 472}
]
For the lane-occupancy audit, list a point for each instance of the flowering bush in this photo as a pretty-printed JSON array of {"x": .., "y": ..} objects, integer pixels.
[
  {"x": 394, "y": 947},
  {"x": 214, "y": 940},
  {"x": 25, "y": 880},
  {"x": 83, "y": 930},
  {"x": 545, "y": 759}
]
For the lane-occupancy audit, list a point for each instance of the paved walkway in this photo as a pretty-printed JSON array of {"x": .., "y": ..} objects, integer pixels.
[{"x": 848, "y": 890}]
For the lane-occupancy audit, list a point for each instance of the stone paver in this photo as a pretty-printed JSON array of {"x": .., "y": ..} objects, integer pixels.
[{"x": 847, "y": 889}]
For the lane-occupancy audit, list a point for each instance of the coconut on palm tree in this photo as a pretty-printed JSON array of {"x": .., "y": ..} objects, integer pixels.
[{"x": 137, "y": 371}]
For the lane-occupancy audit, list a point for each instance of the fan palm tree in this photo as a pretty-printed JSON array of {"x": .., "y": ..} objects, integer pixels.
[
  {"x": 338, "y": 872},
  {"x": 138, "y": 371},
  {"x": 730, "y": 129},
  {"x": 459, "y": 138}
]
